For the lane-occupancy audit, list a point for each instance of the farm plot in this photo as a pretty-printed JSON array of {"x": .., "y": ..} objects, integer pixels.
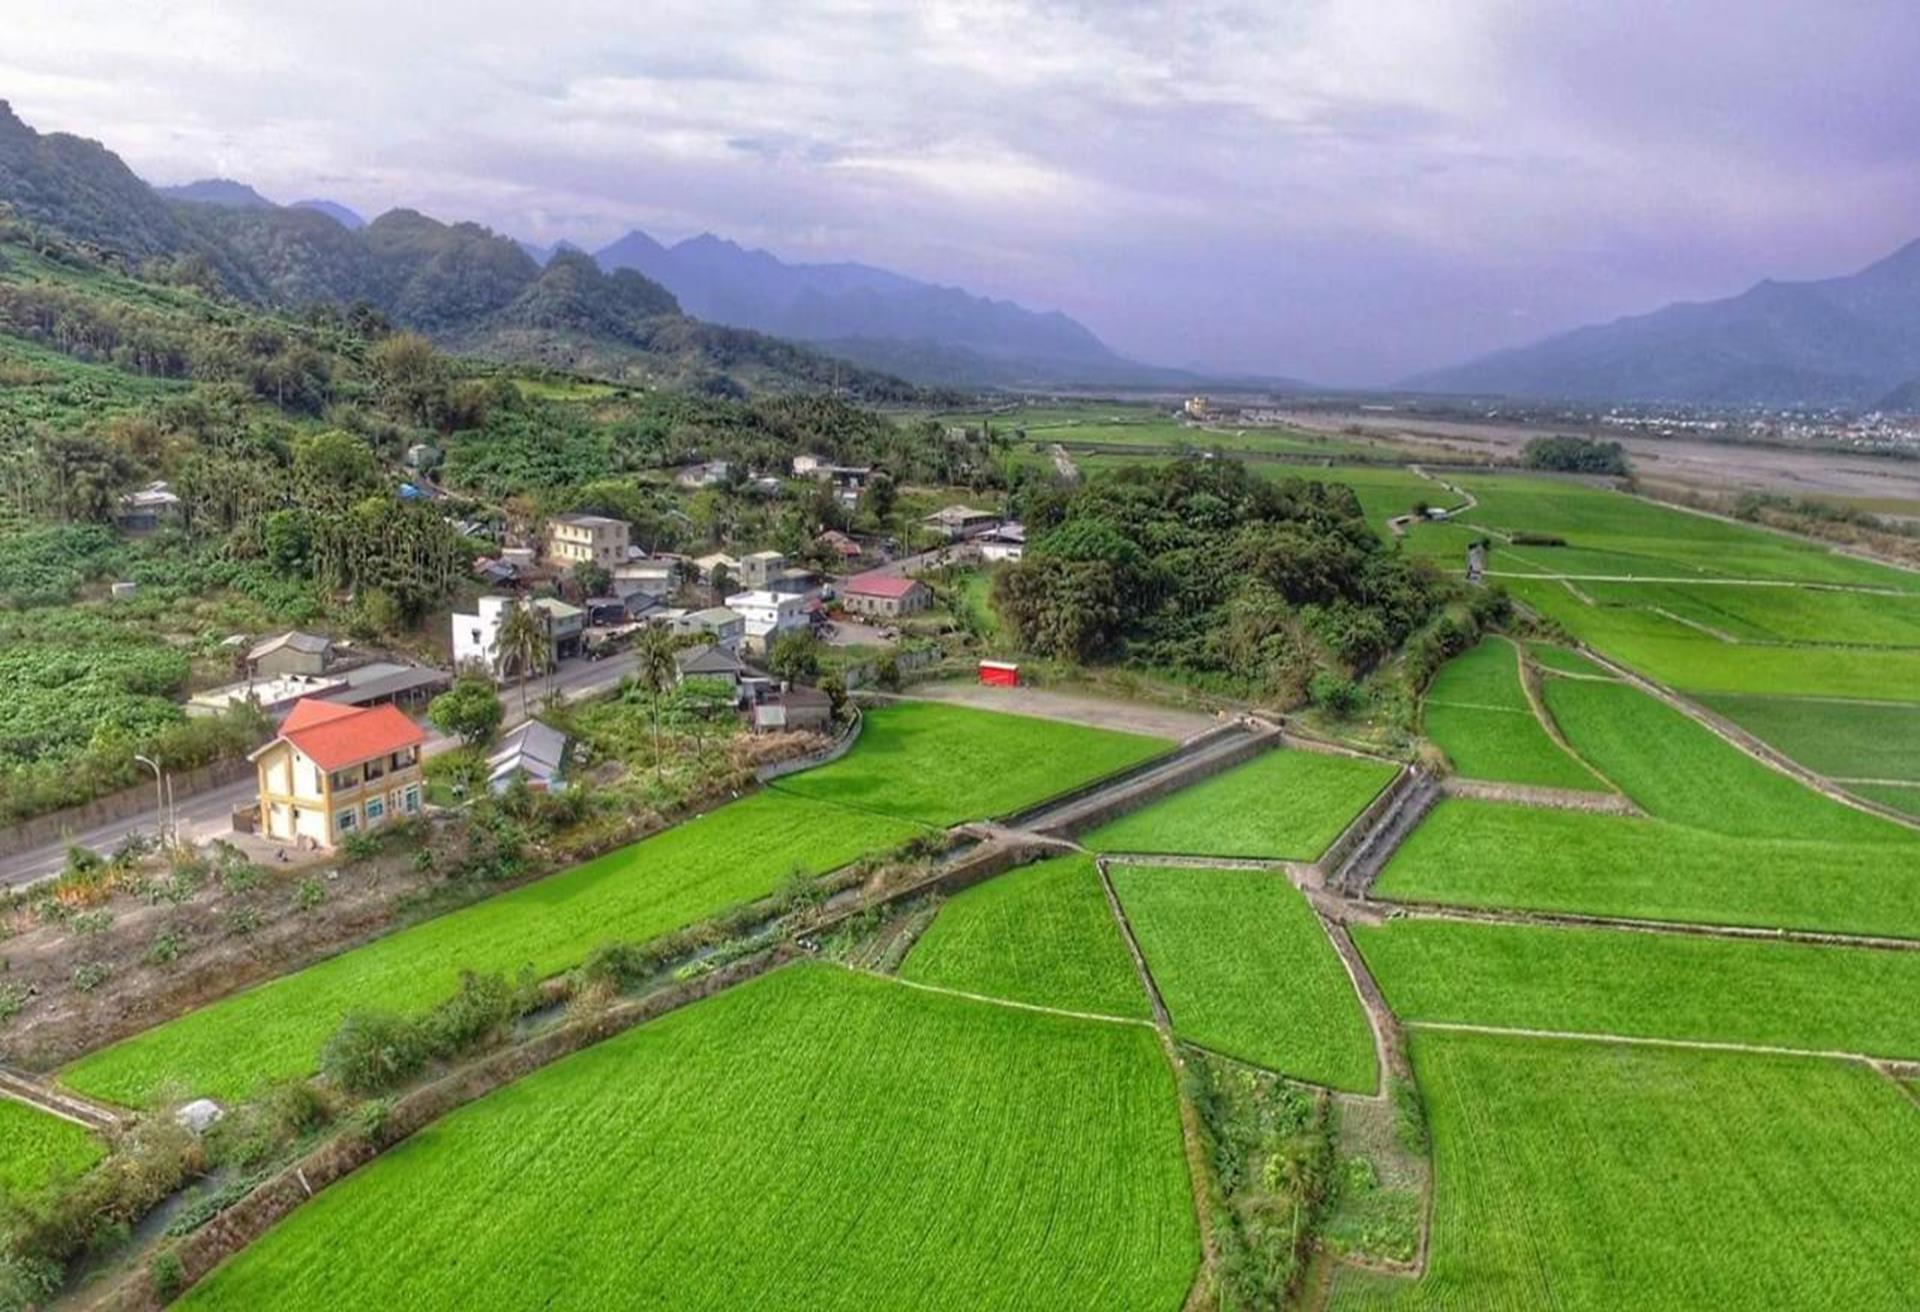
[
  {"x": 1648, "y": 985},
  {"x": 1677, "y": 769},
  {"x": 1847, "y": 741},
  {"x": 1479, "y": 714},
  {"x": 1777, "y": 613},
  {"x": 1686, "y": 657},
  {"x": 813, "y": 1139},
  {"x": 1042, "y": 934},
  {"x": 1564, "y": 660},
  {"x": 1283, "y": 804},
  {"x": 1489, "y": 854},
  {"x": 1901, "y": 797},
  {"x": 1584, "y": 1175},
  {"x": 1246, "y": 970},
  {"x": 939, "y": 764},
  {"x": 700, "y": 867},
  {"x": 36, "y": 1148}
]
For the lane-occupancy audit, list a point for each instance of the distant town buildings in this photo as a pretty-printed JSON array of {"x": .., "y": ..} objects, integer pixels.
[{"x": 587, "y": 539}]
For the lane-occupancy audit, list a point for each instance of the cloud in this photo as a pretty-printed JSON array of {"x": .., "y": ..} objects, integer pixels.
[{"x": 1342, "y": 189}]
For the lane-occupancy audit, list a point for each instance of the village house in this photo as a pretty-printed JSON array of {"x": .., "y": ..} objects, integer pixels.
[
  {"x": 658, "y": 577},
  {"x": 888, "y": 596},
  {"x": 707, "y": 661},
  {"x": 534, "y": 752},
  {"x": 148, "y": 509},
  {"x": 809, "y": 465},
  {"x": 842, "y": 547},
  {"x": 476, "y": 637},
  {"x": 708, "y": 474},
  {"x": 704, "y": 566},
  {"x": 757, "y": 568},
  {"x": 768, "y": 615},
  {"x": 957, "y": 522},
  {"x": 724, "y": 627},
  {"x": 1007, "y": 542},
  {"x": 290, "y": 653},
  {"x": 336, "y": 771},
  {"x": 588, "y": 539},
  {"x": 793, "y": 711}
]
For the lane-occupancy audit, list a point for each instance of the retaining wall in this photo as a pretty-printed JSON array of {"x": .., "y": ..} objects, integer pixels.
[
  {"x": 123, "y": 805},
  {"x": 1335, "y": 856},
  {"x": 1121, "y": 798},
  {"x": 840, "y": 746},
  {"x": 1563, "y": 799}
]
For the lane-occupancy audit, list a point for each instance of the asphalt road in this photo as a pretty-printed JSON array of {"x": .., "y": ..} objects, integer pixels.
[{"x": 209, "y": 815}]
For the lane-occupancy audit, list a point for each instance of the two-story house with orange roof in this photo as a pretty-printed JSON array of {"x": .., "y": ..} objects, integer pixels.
[{"x": 336, "y": 771}]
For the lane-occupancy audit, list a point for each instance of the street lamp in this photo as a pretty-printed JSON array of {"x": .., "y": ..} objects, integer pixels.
[{"x": 159, "y": 800}]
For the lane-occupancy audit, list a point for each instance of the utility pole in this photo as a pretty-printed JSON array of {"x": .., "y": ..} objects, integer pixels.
[{"x": 159, "y": 800}]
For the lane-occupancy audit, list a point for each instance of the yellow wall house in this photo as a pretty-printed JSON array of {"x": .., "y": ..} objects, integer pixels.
[
  {"x": 578, "y": 539},
  {"x": 336, "y": 771}
]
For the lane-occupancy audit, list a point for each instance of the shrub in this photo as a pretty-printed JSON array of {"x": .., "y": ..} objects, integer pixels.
[
  {"x": 168, "y": 1276},
  {"x": 1335, "y": 693},
  {"x": 310, "y": 893},
  {"x": 241, "y": 921},
  {"x": 90, "y": 975},
  {"x": 165, "y": 948},
  {"x": 1409, "y": 1115}
]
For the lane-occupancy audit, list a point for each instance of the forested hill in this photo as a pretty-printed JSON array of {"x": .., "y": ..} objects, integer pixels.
[{"x": 467, "y": 288}]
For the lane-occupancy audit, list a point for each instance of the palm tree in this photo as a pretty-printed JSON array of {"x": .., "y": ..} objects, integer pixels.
[
  {"x": 522, "y": 642},
  {"x": 656, "y": 672}
]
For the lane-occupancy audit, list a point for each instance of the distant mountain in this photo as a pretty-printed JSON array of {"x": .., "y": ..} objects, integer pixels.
[
  {"x": 541, "y": 254},
  {"x": 468, "y": 288},
  {"x": 1849, "y": 341},
  {"x": 333, "y": 209},
  {"x": 218, "y": 191},
  {"x": 931, "y": 334}
]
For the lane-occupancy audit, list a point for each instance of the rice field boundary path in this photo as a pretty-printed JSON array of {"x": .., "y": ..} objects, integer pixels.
[
  {"x": 38, "y": 1094},
  {"x": 1068, "y": 707},
  {"x": 1382, "y": 911},
  {"x": 1645, "y": 1041}
]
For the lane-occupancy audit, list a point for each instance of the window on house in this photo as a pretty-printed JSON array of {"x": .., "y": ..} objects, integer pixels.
[
  {"x": 346, "y": 821},
  {"x": 375, "y": 809},
  {"x": 412, "y": 801}
]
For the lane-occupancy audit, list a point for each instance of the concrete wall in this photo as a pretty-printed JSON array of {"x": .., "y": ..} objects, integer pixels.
[{"x": 114, "y": 807}]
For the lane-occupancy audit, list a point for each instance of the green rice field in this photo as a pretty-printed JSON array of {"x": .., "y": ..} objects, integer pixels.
[
  {"x": 1843, "y": 740},
  {"x": 37, "y": 1148},
  {"x": 1552, "y": 656},
  {"x": 1589, "y": 1176},
  {"x": 1478, "y": 713},
  {"x": 938, "y": 764},
  {"x": 1282, "y": 804},
  {"x": 1648, "y": 985},
  {"x": 1246, "y": 970},
  {"x": 1488, "y": 854},
  {"x": 813, "y": 1139},
  {"x": 684, "y": 874},
  {"x": 1677, "y": 769},
  {"x": 1042, "y": 934},
  {"x": 1901, "y": 797}
]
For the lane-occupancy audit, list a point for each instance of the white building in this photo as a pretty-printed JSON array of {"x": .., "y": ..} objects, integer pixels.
[
  {"x": 1008, "y": 542},
  {"x": 652, "y": 578},
  {"x": 768, "y": 615},
  {"x": 476, "y": 636}
]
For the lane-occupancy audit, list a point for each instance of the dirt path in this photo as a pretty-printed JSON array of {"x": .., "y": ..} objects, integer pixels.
[
  {"x": 1641, "y": 1041},
  {"x": 1574, "y": 920},
  {"x": 41, "y": 1096},
  {"x": 1070, "y": 707},
  {"x": 997, "y": 1002}
]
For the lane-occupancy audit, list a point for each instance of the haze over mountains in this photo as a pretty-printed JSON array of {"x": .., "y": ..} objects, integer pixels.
[{"x": 1852, "y": 341}]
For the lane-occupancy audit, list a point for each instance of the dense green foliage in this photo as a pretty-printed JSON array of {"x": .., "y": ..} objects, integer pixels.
[
  {"x": 1287, "y": 804},
  {"x": 1575, "y": 455},
  {"x": 36, "y": 1148},
  {"x": 1673, "y": 986},
  {"x": 1478, "y": 713},
  {"x": 702, "y": 866},
  {"x": 1043, "y": 934},
  {"x": 1203, "y": 566},
  {"x": 1583, "y": 1175},
  {"x": 938, "y": 764},
  {"x": 1245, "y": 969},
  {"x": 816, "y": 1138},
  {"x": 1491, "y": 854}
]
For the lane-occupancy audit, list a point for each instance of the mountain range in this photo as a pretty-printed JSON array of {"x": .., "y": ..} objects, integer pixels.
[
  {"x": 1852, "y": 341},
  {"x": 920, "y": 330},
  {"x": 469, "y": 289}
]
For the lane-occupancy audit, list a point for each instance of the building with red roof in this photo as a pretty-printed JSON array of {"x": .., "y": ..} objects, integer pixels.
[
  {"x": 887, "y": 595},
  {"x": 336, "y": 771}
]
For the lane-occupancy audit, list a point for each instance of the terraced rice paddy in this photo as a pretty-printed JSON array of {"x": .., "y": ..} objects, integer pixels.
[
  {"x": 939, "y": 765},
  {"x": 36, "y": 1148},
  {"x": 1583, "y": 1175},
  {"x": 1552, "y": 656},
  {"x": 814, "y": 1139},
  {"x": 1677, "y": 769},
  {"x": 1479, "y": 714},
  {"x": 1671, "y": 986},
  {"x": 1846, "y": 741},
  {"x": 1245, "y": 969},
  {"x": 1488, "y": 854},
  {"x": 1282, "y": 804},
  {"x": 1042, "y": 935},
  {"x": 684, "y": 874}
]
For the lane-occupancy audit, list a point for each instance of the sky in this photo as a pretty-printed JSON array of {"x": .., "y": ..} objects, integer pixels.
[{"x": 1346, "y": 191}]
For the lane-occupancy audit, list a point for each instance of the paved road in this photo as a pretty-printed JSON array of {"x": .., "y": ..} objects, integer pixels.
[{"x": 208, "y": 815}]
